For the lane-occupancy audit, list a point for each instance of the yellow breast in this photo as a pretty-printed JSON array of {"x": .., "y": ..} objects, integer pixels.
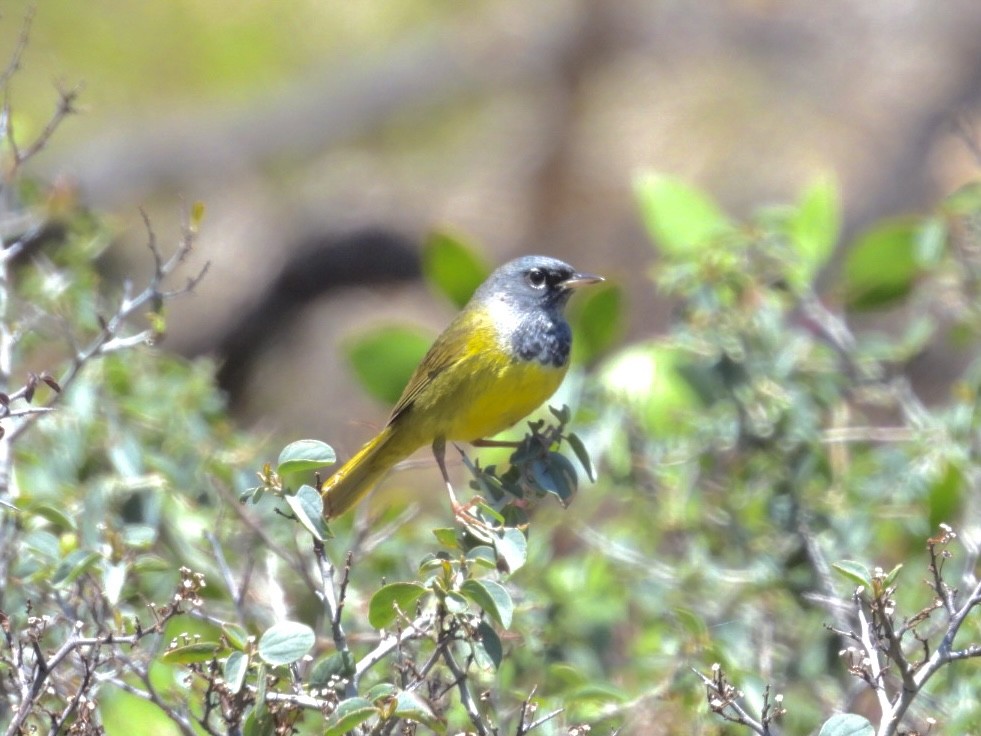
[{"x": 482, "y": 391}]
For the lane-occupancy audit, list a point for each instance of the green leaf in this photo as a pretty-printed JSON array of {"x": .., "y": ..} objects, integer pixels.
[
  {"x": 447, "y": 537},
  {"x": 483, "y": 556},
  {"x": 348, "y": 715},
  {"x": 855, "y": 571},
  {"x": 383, "y": 690},
  {"x": 75, "y": 564},
  {"x": 679, "y": 218},
  {"x": 552, "y": 479},
  {"x": 308, "y": 507},
  {"x": 456, "y": 603},
  {"x": 113, "y": 579},
  {"x": 55, "y": 515},
  {"x": 305, "y": 456},
  {"x": 846, "y": 724},
  {"x": 597, "y": 321},
  {"x": 814, "y": 228},
  {"x": 512, "y": 548},
  {"x": 491, "y": 643},
  {"x": 382, "y": 608},
  {"x": 259, "y": 722},
  {"x": 648, "y": 380},
  {"x": 492, "y": 597},
  {"x": 946, "y": 496},
  {"x": 236, "y": 635},
  {"x": 203, "y": 651},
  {"x": 383, "y": 359},
  {"x": 890, "y": 577},
  {"x": 412, "y": 707},
  {"x": 334, "y": 667},
  {"x": 234, "y": 670},
  {"x": 452, "y": 266},
  {"x": 582, "y": 454},
  {"x": 881, "y": 266},
  {"x": 286, "y": 642},
  {"x": 964, "y": 201}
]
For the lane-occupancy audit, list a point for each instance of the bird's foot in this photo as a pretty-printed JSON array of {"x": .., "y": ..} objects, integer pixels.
[{"x": 466, "y": 515}]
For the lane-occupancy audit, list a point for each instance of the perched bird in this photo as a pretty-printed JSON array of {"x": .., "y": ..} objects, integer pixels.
[{"x": 503, "y": 355}]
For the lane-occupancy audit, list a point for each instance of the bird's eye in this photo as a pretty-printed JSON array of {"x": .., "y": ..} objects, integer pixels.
[{"x": 536, "y": 277}]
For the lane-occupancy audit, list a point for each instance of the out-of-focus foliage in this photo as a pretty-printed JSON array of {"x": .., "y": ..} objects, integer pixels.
[{"x": 755, "y": 465}]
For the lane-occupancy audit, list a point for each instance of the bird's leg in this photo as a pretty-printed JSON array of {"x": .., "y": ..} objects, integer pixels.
[
  {"x": 460, "y": 511},
  {"x": 439, "y": 452}
]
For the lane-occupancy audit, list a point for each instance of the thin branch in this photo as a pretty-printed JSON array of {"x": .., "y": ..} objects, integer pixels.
[
  {"x": 333, "y": 604},
  {"x": 234, "y": 591},
  {"x": 869, "y": 434},
  {"x": 23, "y": 38},
  {"x": 872, "y": 657},
  {"x": 109, "y": 340},
  {"x": 722, "y": 697},
  {"x": 466, "y": 697},
  {"x": 44, "y": 668},
  {"x": 418, "y": 628},
  {"x": 64, "y": 108}
]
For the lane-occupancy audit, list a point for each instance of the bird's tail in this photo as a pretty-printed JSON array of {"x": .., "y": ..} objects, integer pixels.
[{"x": 360, "y": 474}]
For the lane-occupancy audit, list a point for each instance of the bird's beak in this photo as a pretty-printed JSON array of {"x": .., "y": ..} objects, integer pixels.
[{"x": 581, "y": 279}]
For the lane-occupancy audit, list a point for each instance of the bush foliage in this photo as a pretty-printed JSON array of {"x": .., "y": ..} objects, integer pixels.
[{"x": 781, "y": 536}]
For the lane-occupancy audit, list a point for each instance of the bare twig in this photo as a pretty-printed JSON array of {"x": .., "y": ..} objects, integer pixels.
[
  {"x": 64, "y": 108},
  {"x": 420, "y": 627},
  {"x": 23, "y": 38},
  {"x": 466, "y": 697},
  {"x": 723, "y": 699},
  {"x": 333, "y": 604},
  {"x": 109, "y": 340}
]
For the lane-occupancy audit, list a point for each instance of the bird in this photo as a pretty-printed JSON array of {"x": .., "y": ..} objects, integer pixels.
[{"x": 502, "y": 356}]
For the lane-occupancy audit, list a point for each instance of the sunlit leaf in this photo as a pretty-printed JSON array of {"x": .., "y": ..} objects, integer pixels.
[
  {"x": 203, "y": 651},
  {"x": 492, "y": 597},
  {"x": 412, "y": 707},
  {"x": 286, "y": 642},
  {"x": 382, "y": 608},
  {"x": 305, "y": 455},
  {"x": 814, "y": 228},
  {"x": 646, "y": 379},
  {"x": 512, "y": 547},
  {"x": 308, "y": 506},
  {"x": 234, "y": 670},
  {"x": 679, "y": 218},
  {"x": 846, "y": 724},
  {"x": 453, "y": 266},
  {"x": 855, "y": 571},
  {"x": 114, "y": 577},
  {"x": 348, "y": 715}
]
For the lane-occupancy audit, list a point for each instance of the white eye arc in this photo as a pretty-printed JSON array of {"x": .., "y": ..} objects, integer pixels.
[{"x": 536, "y": 278}]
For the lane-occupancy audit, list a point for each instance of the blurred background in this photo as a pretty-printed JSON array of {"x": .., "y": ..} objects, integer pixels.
[{"x": 327, "y": 139}]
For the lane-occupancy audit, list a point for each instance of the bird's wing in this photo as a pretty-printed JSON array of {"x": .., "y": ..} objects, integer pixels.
[{"x": 450, "y": 348}]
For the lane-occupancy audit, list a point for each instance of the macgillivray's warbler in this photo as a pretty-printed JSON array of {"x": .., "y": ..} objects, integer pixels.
[{"x": 503, "y": 355}]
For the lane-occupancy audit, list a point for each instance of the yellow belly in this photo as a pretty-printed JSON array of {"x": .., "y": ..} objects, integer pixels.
[{"x": 505, "y": 398}]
